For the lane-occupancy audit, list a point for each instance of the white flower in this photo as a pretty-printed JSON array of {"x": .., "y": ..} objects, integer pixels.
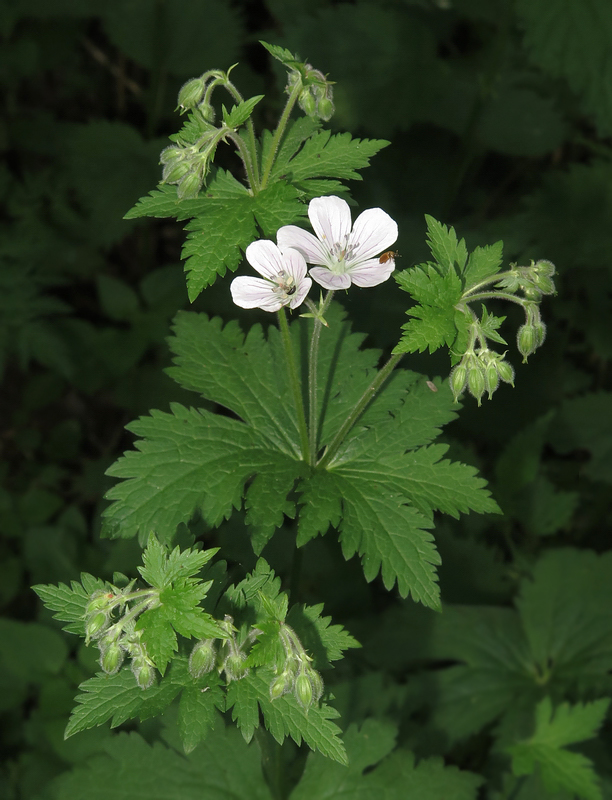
[
  {"x": 284, "y": 279},
  {"x": 345, "y": 255}
]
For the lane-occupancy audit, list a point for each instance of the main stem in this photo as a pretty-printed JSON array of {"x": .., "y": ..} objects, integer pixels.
[
  {"x": 363, "y": 401},
  {"x": 313, "y": 423},
  {"x": 294, "y": 380}
]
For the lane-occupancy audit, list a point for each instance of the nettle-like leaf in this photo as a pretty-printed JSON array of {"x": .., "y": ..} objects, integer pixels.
[
  {"x": 562, "y": 769},
  {"x": 69, "y": 602},
  {"x": 437, "y": 287},
  {"x": 560, "y": 636},
  {"x": 376, "y": 770},
  {"x": 380, "y": 490}
]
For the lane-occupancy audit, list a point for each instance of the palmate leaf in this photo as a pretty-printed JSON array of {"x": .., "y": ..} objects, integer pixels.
[
  {"x": 561, "y": 769},
  {"x": 379, "y": 491},
  {"x": 69, "y": 602}
]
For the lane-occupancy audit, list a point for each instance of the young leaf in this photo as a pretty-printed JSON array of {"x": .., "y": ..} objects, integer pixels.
[
  {"x": 562, "y": 769},
  {"x": 446, "y": 249},
  {"x": 69, "y": 603},
  {"x": 239, "y": 114}
]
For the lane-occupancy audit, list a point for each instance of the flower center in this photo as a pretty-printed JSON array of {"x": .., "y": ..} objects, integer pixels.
[
  {"x": 342, "y": 255},
  {"x": 285, "y": 284}
]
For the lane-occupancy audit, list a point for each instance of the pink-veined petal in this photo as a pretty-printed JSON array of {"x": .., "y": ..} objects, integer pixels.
[
  {"x": 254, "y": 293},
  {"x": 311, "y": 248},
  {"x": 330, "y": 218},
  {"x": 294, "y": 264},
  {"x": 373, "y": 232},
  {"x": 371, "y": 272},
  {"x": 264, "y": 256},
  {"x": 301, "y": 292},
  {"x": 328, "y": 280}
]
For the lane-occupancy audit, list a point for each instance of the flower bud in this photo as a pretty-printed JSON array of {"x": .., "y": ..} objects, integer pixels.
[
  {"x": 307, "y": 103},
  {"x": 325, "y": 109},
  {"x": 317, "y": 684},
  {"x": 189, "y": 186},
  {"x": 174, "y": 172},
  {"x": 111, "y": 659},
  {"x": 144, "y": 673},
  {"x": 546, "y": 268},
  {"x": 458, "y": 379},
  {"x": 476, "y": 382},
  {"x": 99, "y": 601},
  {"x": 203, "y": 658},
  {"x": 191, "y": 93},
  {"x": 95, "y": 625},
  {"x": 540, "y": 332},
  {"x": 491, "y": 377},
  {"x": 303, "y": 690},
  {"x": 282, "y": 684},
  {"x": 526, "y": 340},
  {"x": 544, "y": 284},
  {"x": 171, "y": 154},
  {"x": 533, "y": 294},
  {"x": 234, "y": 667},
  {"x": 505, "y": 371}
]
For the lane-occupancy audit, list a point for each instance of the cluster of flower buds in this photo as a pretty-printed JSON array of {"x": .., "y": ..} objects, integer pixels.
[
  {"x": 534, "y": 280},
  {"x": 118, "y": 638},
  {"x": 532, "y": 334},
  {"x": 229, "y": 658},
  {"x": 480, "y": 371},
  {"x": 294, "y": 673},
  {"x": 316, "y": 96}
]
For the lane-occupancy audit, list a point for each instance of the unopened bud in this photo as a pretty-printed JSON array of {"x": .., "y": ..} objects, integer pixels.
[
  {"x": 281, "y": 685},
  {"x": 96, "y": 624},
  {"x": 526, "y": 341},
  {"x": 189, "y": 186},
  {"x": 111, "y": 659},
  {"x": 544, "y": 284},
  {"x": 506, "y": 372},
  {"x": 174, "y": 172},
  {"x": 203, "y": 658},
  {"x": 476, "y": 382},
  {"x": 234, "y": 667},
  {"x": 144, "y": 673},
  {"x": 540, "y": 333},
  {"x": 546, "y": 268},
  {"x": 458, "y": 379},
  {"x": 191, "y": 93},
  {"x": 303, "y": 690},
  {"x": 317, "y": 684},
  {"x": 171, "y": 155},
  {"x": 531, "y": 293},
  {"x": 307, "y": 103},
  {"x": 491, "y": 377},
  {"x": 325, "y": 109}
]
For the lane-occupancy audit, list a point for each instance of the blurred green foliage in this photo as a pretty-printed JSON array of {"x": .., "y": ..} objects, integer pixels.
[{"x": 500, "y": 118}]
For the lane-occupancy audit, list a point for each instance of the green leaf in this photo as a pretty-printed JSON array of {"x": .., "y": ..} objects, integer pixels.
[
  {"x": 483, "y": 263},
  {"x": 446, "y": 249},
  {"x": 280, "y": 53},
  {"x": 284, "y": 717},
  {"x": 373, "y": 772},
  {"x": 221, "y": 766},
  {"x": 239, "y": 114},
  {"x": 161, "y": 569},
  {"x": 560, "y": 768},
  {"x": 324, "y": 155},
  {"x": 197, "y": 710},
  {"x": 69, "y": 602}
]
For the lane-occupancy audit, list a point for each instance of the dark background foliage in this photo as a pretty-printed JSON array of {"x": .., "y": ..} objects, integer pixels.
[{"x": 499, "y": 115}]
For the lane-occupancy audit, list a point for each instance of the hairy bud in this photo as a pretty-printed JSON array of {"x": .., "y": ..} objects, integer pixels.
[{"x": 203, "y": 658}]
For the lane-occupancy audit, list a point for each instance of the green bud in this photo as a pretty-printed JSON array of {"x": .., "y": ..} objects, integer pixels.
[
  {"x": 144, "y": 673},
  {"x": 282, "y": 684},
  {"x": 526, "y": 340},
  {"x": 96, "y": 625},
  {"x": 540, "y": 332},
  {"x": 544, "y": 284},
  {"x": 171, "y": 154},
  {"x": 234, "y": 667},
  {"x": 303, "y": 690},
  {"x": 307, "y": 103},
  {"x": 325, "y": 109},
  {"x": 189, "y": 186},
  {"x": 546, "y": 268},
  {"x": 203, "y": 658},
  {"x": 491, "y": 377},
  {"x": 100, "y": 600},
  {"x": 531, "y": 293},
  {"x": 506, "y": 372},
  {"x": 317, "y": 684},
  {"x": 458, "y": 379},
  {"x": 476, "y": 382},
  {"x": 191, "y": 93},
  {"x": 173, "y": 173},
  {"x": 111, "y": 659}
]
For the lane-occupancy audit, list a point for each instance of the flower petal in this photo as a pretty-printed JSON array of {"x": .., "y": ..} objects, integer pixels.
[
  {"x": 373, "y": 232},
  {"x": 371, "y": 272},
  {"x": 294, "y": 264},
  {"x": 300, "y": 294},
  {"x": 328, "y": 280},
  {"x": 311, "y": 248},
  {"x": 254, "y": 293},
  {"x": 264, "y": 256},
  {"x": 330, "y": 218}
]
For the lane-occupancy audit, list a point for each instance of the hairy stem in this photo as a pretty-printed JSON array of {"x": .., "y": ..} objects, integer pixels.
[
  {"x": 294, "y": 380},
  {"x": 278, "y": 135},
  {"x": 313, "y": 423},
  {"x": 363, "y": 401}
]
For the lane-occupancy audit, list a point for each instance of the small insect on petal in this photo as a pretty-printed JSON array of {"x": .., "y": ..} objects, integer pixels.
[{"x": 388, "y": 256}]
